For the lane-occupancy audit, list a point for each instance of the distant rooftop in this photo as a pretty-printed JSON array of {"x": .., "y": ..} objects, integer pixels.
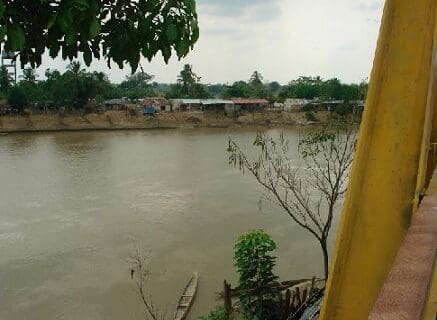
[{"x": 249, "y": 101}]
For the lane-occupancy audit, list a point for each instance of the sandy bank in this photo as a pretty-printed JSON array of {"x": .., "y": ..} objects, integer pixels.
[{"x": 121, "y": 120}]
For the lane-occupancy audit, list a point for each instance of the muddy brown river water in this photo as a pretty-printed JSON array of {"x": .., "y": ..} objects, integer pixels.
[{"x": 75, "y": 205}]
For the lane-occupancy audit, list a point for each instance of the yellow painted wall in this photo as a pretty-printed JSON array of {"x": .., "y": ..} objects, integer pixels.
[{"x": 379, "y": 203}]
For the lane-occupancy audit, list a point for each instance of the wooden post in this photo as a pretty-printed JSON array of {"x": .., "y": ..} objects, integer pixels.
[
  {"x": 287, "y": 305},
  {"x": 313, "y": 286},
  {"x": 227, "y": 297},
  {"x": 304, "y": 295},
  {"x": 298, "y": 299},
  {"x": 293, "y": 303}
]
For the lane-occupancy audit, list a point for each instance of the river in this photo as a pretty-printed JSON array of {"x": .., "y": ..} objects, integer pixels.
[{"x": 75, "y": 205}]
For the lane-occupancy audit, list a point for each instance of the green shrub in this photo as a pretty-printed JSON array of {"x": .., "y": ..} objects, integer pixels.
[
  {"x": 18, "y": 98},
  {"x": 309, "y": 107},
  {"x": 219, "y": 313},
  {"x": 310, "y": 116},
  {"x": 255, "y": 267}
]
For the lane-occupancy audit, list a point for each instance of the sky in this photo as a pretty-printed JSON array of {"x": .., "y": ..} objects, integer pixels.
[{"x": 282, "y": 39}]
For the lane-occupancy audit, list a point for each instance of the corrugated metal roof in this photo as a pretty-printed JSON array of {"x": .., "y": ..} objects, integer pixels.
[
  {"x": 154, "y": 100},
  {"x": 216, "y": 101},
  {"x": 190, "y": 101},
  {"x": 116, "y": 101},
  {"x": 249, "y": 101}
]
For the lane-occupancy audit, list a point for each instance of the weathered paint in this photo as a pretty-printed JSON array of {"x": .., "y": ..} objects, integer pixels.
[
  {"x": 379, "y": 204},
  {"x": 428, "y": 153}
]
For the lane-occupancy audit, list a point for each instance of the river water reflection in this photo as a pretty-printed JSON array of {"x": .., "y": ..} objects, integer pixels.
[{"x": 73, "y": 207}]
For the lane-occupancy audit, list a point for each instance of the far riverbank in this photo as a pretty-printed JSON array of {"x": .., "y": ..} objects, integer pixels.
[{"x": 122, "y": 120}]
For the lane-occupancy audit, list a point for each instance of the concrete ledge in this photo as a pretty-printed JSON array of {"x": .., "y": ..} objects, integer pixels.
[{"x": 405, "y": 290}]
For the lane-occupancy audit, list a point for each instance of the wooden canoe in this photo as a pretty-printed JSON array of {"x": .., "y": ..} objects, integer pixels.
[{"x": 187, "y": 298}]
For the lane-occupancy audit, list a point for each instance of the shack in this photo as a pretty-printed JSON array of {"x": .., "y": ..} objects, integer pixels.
[
  {"x": 160, "y": 104},
  {"x": 116, "y": 104},
  {"x": 189, "y": 104},
  {"x": 293, "y": 104},
  {"x": 249, "y": 104},
  {"x": 216, "y": 105}
]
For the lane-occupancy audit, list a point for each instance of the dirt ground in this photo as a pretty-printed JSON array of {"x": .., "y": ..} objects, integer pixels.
[{"x": 123, "y": 120}]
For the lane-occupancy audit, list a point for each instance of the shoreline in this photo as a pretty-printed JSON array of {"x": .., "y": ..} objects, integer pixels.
[{"x": 120, "y": 120}]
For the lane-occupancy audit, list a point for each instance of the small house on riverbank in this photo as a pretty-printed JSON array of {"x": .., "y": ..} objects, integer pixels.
[
  {"x": 216, "y": 105},
  {"x": 187, "y": 104},
  {"x": 160, "y": 104},
  {"x": 249, "y": 104},
  {"x": 296, "y": 105},
  {"x": 116, "y": 104},
  {"x": 201, "y": 104}
]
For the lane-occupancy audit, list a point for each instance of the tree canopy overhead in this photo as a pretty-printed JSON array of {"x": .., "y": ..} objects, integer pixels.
[{"x": 120, "y": 31}]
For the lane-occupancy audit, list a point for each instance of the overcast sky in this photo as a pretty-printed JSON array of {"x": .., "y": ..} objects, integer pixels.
[{"x": 282, "y": 39}]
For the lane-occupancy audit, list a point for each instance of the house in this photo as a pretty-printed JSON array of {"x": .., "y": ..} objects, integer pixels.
[
  {"x": 187, "y": 104},
  {"x": 160, "y": 104},
  {"x": 278, "y": 106},
  {"x": 116, "y": 104},
  {"x": 217, "y": 105},
  {"x": 293, "y": 104},
  {"x": 249, "y": 104}
]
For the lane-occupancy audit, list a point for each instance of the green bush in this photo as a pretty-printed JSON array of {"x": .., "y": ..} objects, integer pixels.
[
  {"x": 219, "y": 313},
  {"x": 255, "y": 267},
  {"x": 309, "y": 107},
  {"x": 18, "y": 98},
  {"x": 310, "y": 116}
]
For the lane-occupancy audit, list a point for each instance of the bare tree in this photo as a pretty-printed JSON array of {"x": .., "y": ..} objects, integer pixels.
[
  {"x": 309, "y": 187},
  {"x": 140, "y": 274}
]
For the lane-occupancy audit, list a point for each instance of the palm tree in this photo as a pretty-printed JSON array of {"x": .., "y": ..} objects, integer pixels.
[
  {"x": 29, "y": 75},
  {"x": 187, "y": 79},
  {"x": 75, "y": 69}
]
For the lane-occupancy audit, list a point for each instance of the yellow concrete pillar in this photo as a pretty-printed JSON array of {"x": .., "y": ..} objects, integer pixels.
[{"x": 379, "y": 203}]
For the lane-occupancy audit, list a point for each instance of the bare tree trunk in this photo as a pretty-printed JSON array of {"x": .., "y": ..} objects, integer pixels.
[{"x": 323, "y": 244}]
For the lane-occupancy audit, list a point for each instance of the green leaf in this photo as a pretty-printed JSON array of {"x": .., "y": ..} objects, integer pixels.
[
  {"x": 171, "y": 32},
  {"x": 166, "y": 53},
  {"x": 81, "y": 5},
  {"x": 195, "y": 35},
  {"x": 95, "y": 28},
  {"x": 191, "y": 5},
  {"x": 2, "y": 8},
  {"x": 64, "y": 21},
  {"x": 70, "y": 38},
  {"x": 54, "y": 50},
  {"x": 87, "y": 56},
  {"x": 182, "y": 48},
  {"x": 3, "y": 31},
  {"x": 16, "y": 37},
  {"x": 52, "y": 20}
]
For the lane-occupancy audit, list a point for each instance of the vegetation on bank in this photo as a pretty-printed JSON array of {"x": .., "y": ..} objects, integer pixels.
[{"x": 76, "y": 88}]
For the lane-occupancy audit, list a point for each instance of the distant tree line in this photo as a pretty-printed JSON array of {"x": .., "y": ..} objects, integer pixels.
[{"x": 76, "y": 87}]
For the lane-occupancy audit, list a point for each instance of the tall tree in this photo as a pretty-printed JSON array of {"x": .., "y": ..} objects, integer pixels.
[
  {"x": 188, "y": 85},
  {"x": 256, "y": 79},
  {"x": 308, "y": 198},
  {"x": 119, "y": 30},
  {"x": 187, "y": 78},
  {"x": 5, "y": 79},
  {"x": 29, "y": 75},
  {"x": 239, "y": 89}
]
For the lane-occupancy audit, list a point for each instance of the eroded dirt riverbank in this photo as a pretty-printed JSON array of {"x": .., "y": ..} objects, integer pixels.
[{"x": 122, "y": 120}]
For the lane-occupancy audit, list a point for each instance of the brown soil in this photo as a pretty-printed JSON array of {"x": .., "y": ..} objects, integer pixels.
[{"x": 122, "y": 120}]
